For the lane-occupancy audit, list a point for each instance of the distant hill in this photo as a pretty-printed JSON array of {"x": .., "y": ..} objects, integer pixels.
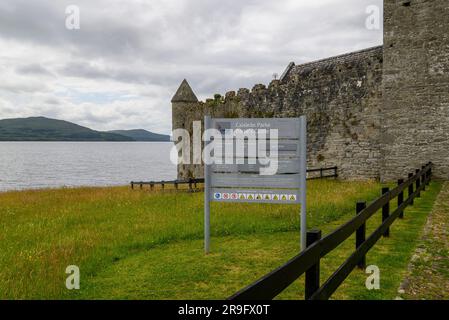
[
  {"x": 142, "y": 135},
  {"x": 45, "y": 129}
]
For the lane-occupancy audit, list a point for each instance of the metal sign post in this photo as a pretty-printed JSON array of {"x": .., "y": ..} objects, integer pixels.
[
  {"x": 240, "y": 180},
  {"x": 206, "y": 193},
  {"x": 303, "y": 180}
]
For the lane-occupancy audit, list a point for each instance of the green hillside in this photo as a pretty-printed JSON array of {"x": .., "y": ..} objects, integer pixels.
[
  {"x": 142, "y": 135},
  {"x": 45, "y": 129}
]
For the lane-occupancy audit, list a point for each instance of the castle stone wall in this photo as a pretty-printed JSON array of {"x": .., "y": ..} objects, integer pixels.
[
  {"x": 341, "y": 97},
  {"x": 415, "y": 112},
  {"x": 379, "y": 113}
]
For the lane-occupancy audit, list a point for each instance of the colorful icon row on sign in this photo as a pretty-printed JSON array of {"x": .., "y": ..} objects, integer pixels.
[{"x": 255, "y": 197}]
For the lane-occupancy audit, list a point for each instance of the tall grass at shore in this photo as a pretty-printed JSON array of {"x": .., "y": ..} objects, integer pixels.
[{"x": 44, "y": 231}]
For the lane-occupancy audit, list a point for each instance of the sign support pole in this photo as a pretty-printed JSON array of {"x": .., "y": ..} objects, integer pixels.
[
  {"x": 303, "y": 169},
  {"x": 206, "y": 193}
]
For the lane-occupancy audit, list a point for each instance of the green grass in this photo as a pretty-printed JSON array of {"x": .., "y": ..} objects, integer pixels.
[
  {"x": 428, "y": 274},
  {"x": 143, "y": 245}
]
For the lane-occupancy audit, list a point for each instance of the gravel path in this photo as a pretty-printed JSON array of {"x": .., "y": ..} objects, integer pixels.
[{"x": 428, "y": 275}]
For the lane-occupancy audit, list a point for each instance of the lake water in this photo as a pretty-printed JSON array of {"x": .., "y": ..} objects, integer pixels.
[{"x": 30, "y": 165}]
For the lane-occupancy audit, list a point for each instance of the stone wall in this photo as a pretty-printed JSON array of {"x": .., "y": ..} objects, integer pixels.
[
  {"x": 415, "y": 113},
  {"x": 341, "y": 97},
  {"x": 377, "y": 113}
]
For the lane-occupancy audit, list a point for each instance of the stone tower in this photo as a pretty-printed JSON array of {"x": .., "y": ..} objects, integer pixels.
[
  {"x": 415, "y": 108},
  {"x": 185, "y": 110},
  {"x": 182, "y": 101}
]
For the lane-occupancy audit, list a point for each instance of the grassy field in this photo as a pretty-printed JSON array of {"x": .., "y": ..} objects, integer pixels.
[
  {"x": 428, "y": 274},
  {"x": 147, "y": 245}
]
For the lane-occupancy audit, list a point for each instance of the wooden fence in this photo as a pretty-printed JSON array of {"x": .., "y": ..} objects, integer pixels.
[
  {"x": 176, "y": 183},
  {"x": 321, "y": 173},
  {"x": 308, "y": 261}
]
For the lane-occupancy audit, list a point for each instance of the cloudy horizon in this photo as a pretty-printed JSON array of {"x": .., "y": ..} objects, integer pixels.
[{"x": 122, "y": 67}]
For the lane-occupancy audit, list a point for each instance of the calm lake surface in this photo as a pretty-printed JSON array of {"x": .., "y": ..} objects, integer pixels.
[{"x": 31, "y": 165}]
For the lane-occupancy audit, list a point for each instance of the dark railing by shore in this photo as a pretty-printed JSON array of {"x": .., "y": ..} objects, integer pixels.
[
  {"x": 308, "y": 261},
  {"x": 193, "y": 183},
  {"x": 321, "y": 173}
]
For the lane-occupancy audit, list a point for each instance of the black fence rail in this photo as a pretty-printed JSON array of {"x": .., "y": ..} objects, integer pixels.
[
  {"x": 308, "y": 261},
  {"x": 321, "y": 173},
  {"x": 193, "y": 183}
]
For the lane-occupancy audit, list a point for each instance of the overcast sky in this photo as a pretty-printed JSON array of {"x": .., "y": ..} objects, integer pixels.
[{"x": 121, "y": 68}]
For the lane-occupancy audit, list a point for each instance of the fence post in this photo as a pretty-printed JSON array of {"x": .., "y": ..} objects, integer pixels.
[
  {"x": 321, "y": 173},
  {"x": 312, "y": 282},
  {"x": 141, "y": 186},
  {"x": 190, "y": 184},
  {"x": 418, "y": 184},
  {"x": 386, "y": 211},
  {"x": 132, "y": 185},
  {"x": 176, "y": 185},
  {"x": 410, "y": 188},
  {"x": 401, "y": 198},
  {"x": 423, "y": 179},
  {"x": 360, "y": 235},
  {"x": 163, "y": 185},
  {"x": 336, "y": 172}
]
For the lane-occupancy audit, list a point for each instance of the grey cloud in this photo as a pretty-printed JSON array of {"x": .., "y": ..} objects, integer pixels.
[
  {"x": 33, "y": 21},
  {"x": 217, "y": 45},
  {"x": 53, "y": 101},
  {"x": 23, "y": 87},
  {"x": 82, "y": 69},
  {"x": 33, "y": 69}
]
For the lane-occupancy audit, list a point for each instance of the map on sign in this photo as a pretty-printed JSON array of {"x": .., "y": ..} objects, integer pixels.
[
  {"x": 242, "y": 169},
  {"x": 243, "y": 149}
]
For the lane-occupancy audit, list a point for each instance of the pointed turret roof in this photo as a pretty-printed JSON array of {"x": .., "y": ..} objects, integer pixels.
[{"x": 184, "y": 93}]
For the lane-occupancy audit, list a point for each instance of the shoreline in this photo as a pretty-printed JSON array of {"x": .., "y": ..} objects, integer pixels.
[
  {"x": 82, "y": 141},
  {"x": 60, "y": 188}
]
